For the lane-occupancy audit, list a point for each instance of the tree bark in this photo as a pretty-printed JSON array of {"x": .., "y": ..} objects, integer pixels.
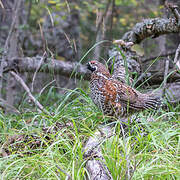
[
  {"x": 76, "y": 70},
  {"x": 69, "y": 69},
  {"x": 151, "y": 28},
  {"x": 11, "y": 49},
  {"x": 95, "y": 164}
]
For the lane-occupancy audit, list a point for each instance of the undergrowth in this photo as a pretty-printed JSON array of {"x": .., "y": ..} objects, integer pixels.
[{"x": 39, "y": 146}]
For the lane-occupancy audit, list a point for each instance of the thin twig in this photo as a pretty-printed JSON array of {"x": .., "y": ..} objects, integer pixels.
[
  {"x": 174, "y": 9},
  {"x": 42, "y": 36},
  {"x": 5, "y": 104},
  {"x": 126, "y": 154},
  {"x": 112, "y": 16},
  {"x": 102, "y": 17},
  {"x": 165, "y": 76},
  {"x": 36, "y": 102},
  {"x": 68, "y": 176},
  {"x": 144, "y": 60},
  {"x": 1, "y": 4},
  {"x": 29, "y": 12},
  {"x": 39, "y": 65},
  {"x": 17, "y": 6},
  {"x": 177, "y": 57},
  {"x": 46, "y": 87}
]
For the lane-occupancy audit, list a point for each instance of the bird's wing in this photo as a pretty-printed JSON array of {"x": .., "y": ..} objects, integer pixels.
[
  {"x": 127, "y": 96},
  {"x": 118, "y": 92},
  {"x": 133, "y": 99},
  {"x": 126, "y": 93},
  {"x": 109, "y": 91}
]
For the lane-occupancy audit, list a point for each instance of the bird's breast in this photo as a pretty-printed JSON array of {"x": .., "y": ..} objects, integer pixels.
[{"x": 97, "y": 92}]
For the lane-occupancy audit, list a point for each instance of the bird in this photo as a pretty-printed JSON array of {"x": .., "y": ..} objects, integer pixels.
[{"x": 115, "y": 98}]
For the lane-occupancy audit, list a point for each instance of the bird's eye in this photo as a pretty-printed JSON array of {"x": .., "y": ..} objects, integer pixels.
[
  {"x": 92, "y": 66},
  {"x": 93, "y": 62}
]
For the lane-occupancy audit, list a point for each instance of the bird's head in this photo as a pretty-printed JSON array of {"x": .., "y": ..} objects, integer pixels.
[
  {"x": 93, "y": 66},
  {"x": 98, "y": 68}
]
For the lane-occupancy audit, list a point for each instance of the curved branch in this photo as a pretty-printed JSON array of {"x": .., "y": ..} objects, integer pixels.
[
  {"x": 155, "y": 27},
  {"x": 69, "y": 69},
  {"x": 26, "y": 88},
  {"x": 168, "y": 53},
  {"x": 151, "y": 28},
  {"x": 95, "y": 163}
]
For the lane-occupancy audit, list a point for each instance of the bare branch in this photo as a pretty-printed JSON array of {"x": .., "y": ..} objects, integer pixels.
[
  {"x": 151, "y": 28},
  {"x": 67, "y": 175},
  {"x": 174, "y": 9},
  {"x": 68, "y": 69},
  {"x": 101, "y": 19},
  {"x": 165, "y": 76},
  {"x": 92, "y": 152},
  {"x": 52, "y": 65},
  {"x": 38, "y": 67},
  {"x": 177, "y": 57},
  {"x": 144, "y": 60},
  {"x": 4, "y": 104},
  {"x": 36, "y": 102},
  {"x": 154, "y": 27}
]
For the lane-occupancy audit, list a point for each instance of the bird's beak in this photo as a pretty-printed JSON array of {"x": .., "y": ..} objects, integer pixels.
[{"x": 88, "y": 66}]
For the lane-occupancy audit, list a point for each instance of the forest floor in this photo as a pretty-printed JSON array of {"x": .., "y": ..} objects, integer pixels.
[{"x": 38, "y": 146}]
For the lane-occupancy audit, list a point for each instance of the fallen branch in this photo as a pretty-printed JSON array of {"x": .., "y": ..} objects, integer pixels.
[
  {"x": 151, "y": 28},
  {"x": 177, "y": 57},
  {"x": 68, "y": 69},
  {"x": 51, "y": 65},
  {"x": 68, "y": 177},
  {"x": 165, "y": 76},
  {"x": 36, "y": 102},
  {"x": 157, "y": 77},
  {"x": 92, "y": 153},
  {"x": 4, "y": 104},
  {"x": 154, "y": 27},
  {"x": 172, "y": 92},
  {"x": 144, "y": 60},
  {"x": 174, "y": 9}
]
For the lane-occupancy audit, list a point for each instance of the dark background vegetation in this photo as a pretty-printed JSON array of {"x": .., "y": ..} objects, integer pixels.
[{"x": 46, "y": 114}]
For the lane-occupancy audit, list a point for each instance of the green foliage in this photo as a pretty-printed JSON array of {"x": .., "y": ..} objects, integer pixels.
[
  {"x": 38, "y": 146},
  {"x": 126, "y": 2},
  {"x": 125, "y": 14}
]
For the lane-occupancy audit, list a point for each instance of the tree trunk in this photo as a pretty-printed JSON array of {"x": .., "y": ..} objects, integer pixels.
[{"x": 13, "y": 52}]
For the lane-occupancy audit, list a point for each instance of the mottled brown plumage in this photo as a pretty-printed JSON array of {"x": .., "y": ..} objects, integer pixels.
[{"x": 115, "y": 98}]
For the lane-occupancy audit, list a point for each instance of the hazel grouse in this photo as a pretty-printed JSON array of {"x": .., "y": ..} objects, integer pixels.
[{"x": 115, "y": 98}]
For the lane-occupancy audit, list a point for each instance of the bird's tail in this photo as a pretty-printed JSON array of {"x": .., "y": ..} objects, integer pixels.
[{"x": 151, "y": 102}]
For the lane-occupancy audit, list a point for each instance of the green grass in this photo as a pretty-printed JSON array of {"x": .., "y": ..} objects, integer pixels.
[{"x": 39, "y": 146}]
